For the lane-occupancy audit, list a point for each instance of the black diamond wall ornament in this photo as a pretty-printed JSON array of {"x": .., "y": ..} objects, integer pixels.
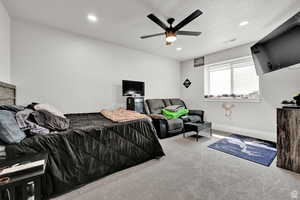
[{"x": 187, "y": 83}]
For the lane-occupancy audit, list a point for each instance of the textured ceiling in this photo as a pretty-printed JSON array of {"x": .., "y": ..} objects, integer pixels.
[{"x": 123, "y": 22}]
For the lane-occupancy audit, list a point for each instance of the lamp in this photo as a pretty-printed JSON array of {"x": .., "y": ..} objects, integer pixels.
[{"x": 170, "y": 37}]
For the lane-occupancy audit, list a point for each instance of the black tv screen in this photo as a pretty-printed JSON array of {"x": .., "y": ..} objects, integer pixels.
[
  {"x": 133, "y": 88},
  {"x": 279, "y": 49}
]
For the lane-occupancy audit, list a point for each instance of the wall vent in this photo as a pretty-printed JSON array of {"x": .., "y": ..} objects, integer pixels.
[{"x": 198, "y": 62}]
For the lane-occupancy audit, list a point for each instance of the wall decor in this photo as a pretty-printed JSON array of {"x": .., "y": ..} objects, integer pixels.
[
  {"x": 187, "y": 83},
  {"x": 198, "y": 62},
  {"x": 228, "y": 109}
]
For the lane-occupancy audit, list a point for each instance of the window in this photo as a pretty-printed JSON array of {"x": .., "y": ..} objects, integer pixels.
[{"x": 235, "y": 79}]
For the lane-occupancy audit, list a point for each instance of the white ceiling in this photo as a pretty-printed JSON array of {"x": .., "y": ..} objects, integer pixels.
[{"x": 124, "y": 21}]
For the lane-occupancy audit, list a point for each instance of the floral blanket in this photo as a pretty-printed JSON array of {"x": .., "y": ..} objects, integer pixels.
[{"x": 122, "y": 115}]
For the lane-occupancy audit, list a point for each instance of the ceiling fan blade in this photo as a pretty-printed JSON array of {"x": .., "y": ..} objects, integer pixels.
[
  {"x": 153, "y": 35},
  {"x": 187, "y": 20},
  {"x": 157, "y": 21},
  {"x": 188, "y": 33}
]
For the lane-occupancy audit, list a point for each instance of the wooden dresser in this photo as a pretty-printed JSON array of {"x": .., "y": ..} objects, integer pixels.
[{"x": 288, "y": 139}]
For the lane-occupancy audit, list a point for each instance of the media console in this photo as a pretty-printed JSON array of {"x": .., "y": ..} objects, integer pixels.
[{"x": 136, "y": 104}]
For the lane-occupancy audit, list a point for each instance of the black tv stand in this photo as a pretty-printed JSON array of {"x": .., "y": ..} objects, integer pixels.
[{"x": 135, "y": 104}]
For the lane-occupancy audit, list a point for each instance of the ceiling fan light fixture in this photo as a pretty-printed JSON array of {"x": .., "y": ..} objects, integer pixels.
[
  {"x": 170, "y": 32},
  {"x": 170, "y": 37}
]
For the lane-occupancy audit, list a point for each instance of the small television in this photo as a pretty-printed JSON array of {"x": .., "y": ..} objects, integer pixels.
[
  {"x": 133, "y": 88},
  {"x": 279, "y": 49}
]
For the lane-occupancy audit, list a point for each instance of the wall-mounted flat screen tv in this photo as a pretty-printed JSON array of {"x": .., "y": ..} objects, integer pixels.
[
  {"x": 133, "y": 88},
  {"x": 279, "y": 49}
]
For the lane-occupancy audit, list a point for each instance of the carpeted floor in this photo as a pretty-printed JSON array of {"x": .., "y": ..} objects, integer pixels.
[{"x": 192, "y": 171}]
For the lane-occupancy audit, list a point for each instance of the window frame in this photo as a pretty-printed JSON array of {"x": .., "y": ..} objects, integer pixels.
[{"x": 230, "y": 63}]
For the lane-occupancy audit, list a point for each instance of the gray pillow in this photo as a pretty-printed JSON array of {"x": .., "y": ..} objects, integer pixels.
[
  {"x": 10, "y": 132},
  {"x": 51, "y": 121}
]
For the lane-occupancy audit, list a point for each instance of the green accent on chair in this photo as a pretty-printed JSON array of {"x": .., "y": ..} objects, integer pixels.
[{"x": 174, "y": 115}]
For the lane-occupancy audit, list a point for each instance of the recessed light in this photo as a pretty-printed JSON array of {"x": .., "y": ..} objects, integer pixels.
[
  {"x": 244, "y": 23},
  {"x": 92, "y": 18},
  {"x": 178, "y": 49}
]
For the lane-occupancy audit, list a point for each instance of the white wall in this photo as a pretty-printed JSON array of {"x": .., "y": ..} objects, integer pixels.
[
  {"x": 254, "y": 119},
  {"x": 79, "y": 74},
  {"x": 4, "y": 45}
]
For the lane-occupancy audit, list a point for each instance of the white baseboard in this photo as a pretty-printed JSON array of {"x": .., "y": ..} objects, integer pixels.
[{"x": 264, "y": 135}]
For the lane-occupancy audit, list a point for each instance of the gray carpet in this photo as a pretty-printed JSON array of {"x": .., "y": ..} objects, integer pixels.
[{"x": 192, "y": 171}]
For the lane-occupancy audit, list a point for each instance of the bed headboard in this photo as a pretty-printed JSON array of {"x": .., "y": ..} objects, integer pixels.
[{"x": 7, "y": 93}]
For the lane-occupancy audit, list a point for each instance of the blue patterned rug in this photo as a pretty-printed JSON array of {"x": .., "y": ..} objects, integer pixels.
[{"x": 252, "y": 149}]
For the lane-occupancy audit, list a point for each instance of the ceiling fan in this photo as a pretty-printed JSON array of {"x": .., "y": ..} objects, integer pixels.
[{"x": 171, "y": 32}]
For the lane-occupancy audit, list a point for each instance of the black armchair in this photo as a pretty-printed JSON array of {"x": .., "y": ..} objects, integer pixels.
[{"x": 169, "y": 127}]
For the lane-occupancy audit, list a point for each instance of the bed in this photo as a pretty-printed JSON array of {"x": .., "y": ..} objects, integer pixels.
[{"x": 92, "y": 148}]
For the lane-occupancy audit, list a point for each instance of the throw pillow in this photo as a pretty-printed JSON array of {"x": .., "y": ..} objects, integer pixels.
[
  {"x": 10, "y": 132},
  {"x": 50, "y": 109},
  {"x": 51, "y": 121}
]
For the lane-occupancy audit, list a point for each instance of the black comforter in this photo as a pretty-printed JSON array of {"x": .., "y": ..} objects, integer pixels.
[{"x": 92, "y": 148}]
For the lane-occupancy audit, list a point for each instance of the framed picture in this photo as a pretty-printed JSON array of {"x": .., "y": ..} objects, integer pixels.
[{"x": 187, "y": 83}]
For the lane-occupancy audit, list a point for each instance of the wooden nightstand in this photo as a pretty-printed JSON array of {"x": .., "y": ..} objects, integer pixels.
[{"x": 22, "y": 177}]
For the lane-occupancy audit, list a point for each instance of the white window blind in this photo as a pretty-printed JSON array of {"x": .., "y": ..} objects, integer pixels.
[
  {"x": 220, "y": 81},
  {"x": 235, "y": 79}
]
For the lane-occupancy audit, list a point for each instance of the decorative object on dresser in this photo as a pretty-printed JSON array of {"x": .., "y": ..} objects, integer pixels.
[
  {"x": 295, "y": 102},
  {"x": 20, "y": 178},
  {"x": 288, "y": 139},
  {"x": 297, "y": 99}
]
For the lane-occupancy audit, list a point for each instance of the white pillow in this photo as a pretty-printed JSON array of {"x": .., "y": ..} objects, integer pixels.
[{"x": 50, "y": 109}]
